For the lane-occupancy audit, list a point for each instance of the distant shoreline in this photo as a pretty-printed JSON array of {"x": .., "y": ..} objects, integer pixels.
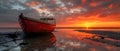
[
  {"x": 88, "y": 27},
  {"x": 68, "y": 28}
]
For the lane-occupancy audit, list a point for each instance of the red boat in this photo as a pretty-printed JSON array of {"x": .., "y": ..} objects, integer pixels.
[{"x": 30, "y": 25}]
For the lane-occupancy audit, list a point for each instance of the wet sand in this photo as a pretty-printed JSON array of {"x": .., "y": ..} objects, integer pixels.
[
  {"x": 108, "y": 37},
  {"x": 61, "y": 40}
]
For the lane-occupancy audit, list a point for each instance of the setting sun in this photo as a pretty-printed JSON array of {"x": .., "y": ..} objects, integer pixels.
[{"x": 87, "y": 25}]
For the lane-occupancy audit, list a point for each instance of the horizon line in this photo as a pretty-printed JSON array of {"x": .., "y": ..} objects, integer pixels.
[{"x": 68, "y": 27}]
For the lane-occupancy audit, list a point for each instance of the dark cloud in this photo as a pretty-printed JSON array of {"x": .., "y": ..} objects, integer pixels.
[{"x": 10, "y": 9}]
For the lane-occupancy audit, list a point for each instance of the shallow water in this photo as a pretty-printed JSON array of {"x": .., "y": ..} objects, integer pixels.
[{"x": 61, "y": 40}]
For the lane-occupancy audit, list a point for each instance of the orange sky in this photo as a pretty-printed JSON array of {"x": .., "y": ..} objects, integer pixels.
[
  {"x": 91, "y": 24},
  {"x": 92, "y": 21},
  {"x": 68, "y": 13}
]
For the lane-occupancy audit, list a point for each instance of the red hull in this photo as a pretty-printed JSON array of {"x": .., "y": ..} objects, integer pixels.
[{"x": 32, "y": 26}]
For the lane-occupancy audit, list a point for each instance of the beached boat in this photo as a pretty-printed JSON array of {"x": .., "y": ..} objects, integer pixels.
[{"x": 30, "y": 25}]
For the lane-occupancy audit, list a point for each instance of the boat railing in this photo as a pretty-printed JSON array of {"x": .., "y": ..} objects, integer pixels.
[{"x": 48, "y": 20}]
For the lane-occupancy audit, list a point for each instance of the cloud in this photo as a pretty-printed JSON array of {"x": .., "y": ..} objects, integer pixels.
[{"x": 85, "y": 10}]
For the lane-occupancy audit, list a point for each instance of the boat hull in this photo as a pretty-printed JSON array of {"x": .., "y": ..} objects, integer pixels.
[{"x": 31, "y": 26}]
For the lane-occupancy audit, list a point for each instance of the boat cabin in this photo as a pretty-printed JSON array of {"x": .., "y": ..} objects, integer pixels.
[{"x": 48, "y": 20}]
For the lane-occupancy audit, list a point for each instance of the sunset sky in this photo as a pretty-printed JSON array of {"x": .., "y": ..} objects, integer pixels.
[{"x": 68, "y": 13}]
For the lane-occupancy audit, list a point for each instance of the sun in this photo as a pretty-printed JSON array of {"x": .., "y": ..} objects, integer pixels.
[{"x": 87, "y": 25}]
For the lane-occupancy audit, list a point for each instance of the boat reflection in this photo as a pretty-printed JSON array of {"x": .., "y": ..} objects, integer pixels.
[{"x": 39, "y": 42}]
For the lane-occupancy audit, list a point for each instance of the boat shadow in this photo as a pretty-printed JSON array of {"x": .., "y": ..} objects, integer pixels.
[{"x": 31, "y": 42}]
